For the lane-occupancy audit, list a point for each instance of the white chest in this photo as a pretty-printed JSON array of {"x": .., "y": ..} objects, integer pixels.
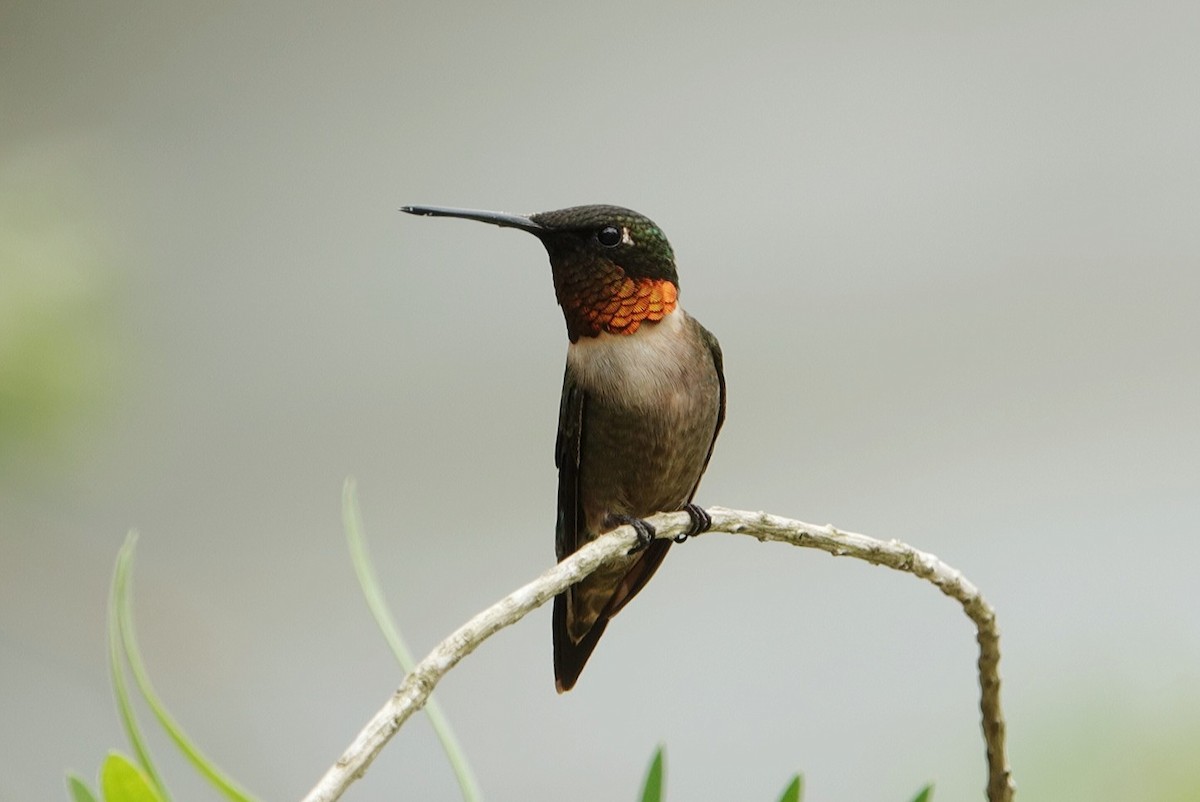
[{"x": 643, "y": 368}]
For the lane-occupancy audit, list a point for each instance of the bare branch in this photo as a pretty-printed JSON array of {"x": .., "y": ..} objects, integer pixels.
[{"x": 419, "y": 683}]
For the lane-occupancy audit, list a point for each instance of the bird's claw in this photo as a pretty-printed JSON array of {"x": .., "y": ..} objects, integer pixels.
[
  {"x": 645, "y": 532},
  {"x": 701, "y": 522}
]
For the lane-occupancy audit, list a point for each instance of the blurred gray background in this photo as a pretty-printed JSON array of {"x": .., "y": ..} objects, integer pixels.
[{"x": 950, "y": 250}]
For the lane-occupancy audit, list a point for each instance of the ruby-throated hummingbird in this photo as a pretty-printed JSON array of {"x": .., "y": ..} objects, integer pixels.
[{"x": 643, "y": 399}]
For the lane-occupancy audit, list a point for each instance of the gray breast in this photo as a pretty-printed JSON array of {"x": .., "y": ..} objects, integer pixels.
[{"x": 652, "y": 403}]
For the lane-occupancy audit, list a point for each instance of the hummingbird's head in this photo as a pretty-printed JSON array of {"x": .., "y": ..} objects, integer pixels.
[{"x": 613, "y": 268}]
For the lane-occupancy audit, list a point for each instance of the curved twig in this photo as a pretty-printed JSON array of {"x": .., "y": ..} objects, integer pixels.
[{"x": 419, "y": 683}]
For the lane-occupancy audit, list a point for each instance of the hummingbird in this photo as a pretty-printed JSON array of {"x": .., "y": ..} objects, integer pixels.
[{"x": 643, "y": 399}]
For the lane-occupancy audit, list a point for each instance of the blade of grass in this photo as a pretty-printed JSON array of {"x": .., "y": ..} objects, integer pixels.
[
  {"x": 652, "y": 790},
  {"x": 925, "y": 794},
  {"x": 369, "y": 582},
  {"x": 124, "y": 621},
  {"x": 79, "y": 789},
  {"x": 793, "y": 791},
  {"x": 117, "y": 668}
]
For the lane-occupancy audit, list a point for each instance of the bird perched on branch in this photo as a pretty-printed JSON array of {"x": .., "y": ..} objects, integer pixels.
[{"x": 643, "y": 399}]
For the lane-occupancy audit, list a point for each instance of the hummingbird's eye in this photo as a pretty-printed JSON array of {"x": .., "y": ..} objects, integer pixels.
[{"x": 609, "y": 236}]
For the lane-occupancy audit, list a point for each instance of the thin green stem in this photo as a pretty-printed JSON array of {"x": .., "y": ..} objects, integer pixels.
[
  {"x": 124, "y": 620},
  {"x": 352, "y": 521},
  {"x": 117, "y": 668}
]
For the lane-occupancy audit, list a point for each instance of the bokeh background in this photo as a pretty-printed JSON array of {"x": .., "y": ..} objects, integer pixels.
[{"x": 950, "y": 250}]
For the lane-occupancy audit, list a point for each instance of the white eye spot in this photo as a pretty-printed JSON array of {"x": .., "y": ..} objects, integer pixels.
[{"x": 625, "y": 238}]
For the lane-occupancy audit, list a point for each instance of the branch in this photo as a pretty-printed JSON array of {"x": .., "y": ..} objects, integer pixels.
[{"x": 419, "y": 683}]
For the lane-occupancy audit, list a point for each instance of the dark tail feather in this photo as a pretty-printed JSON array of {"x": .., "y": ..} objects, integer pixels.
[{"x": 570, "y": 658}]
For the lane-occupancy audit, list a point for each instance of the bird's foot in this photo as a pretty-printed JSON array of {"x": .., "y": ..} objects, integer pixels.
[
  {"x": 645, "y": 532},
  {"x": 701, "y": 522}
]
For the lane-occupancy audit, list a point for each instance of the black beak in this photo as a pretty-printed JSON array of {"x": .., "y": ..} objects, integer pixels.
[{"x": 495, "y": 218}]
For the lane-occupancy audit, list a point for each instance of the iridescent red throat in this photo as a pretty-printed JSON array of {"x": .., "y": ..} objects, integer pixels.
[{"x": 610, "y": 301}]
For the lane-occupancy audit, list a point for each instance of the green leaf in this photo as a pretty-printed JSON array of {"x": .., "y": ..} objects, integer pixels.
[
  {"x": 792, "y": 792},
  {"x": 925, "y": 794},
  {"x": 79, "y": 790},
  {"x": 652, "y": 791},
  {"x": 122, "y": 781},
  {"x": 117, "y": 667},
  {"x": 369, "y": 582}
]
